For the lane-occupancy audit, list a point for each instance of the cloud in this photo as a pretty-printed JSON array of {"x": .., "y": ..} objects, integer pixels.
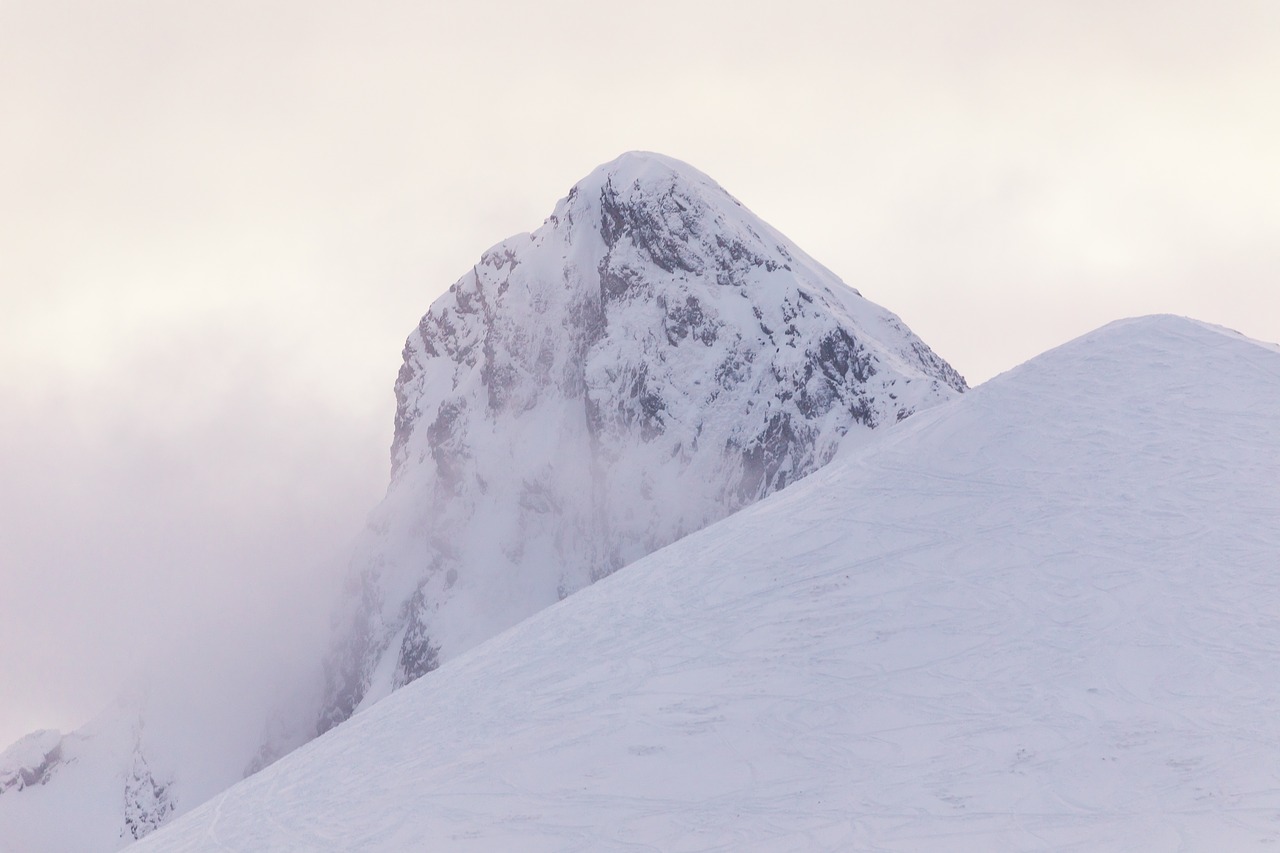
[{"x": 187, "y": 502}]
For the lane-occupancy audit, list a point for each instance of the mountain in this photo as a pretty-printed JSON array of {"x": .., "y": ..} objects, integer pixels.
[
  {"x": 117, "y": 778},
  {"x": 1042, "y": 616},
  {"x": 650, "y": 360}
]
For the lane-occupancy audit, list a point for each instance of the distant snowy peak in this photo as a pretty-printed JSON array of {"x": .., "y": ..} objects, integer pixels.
[
  {"x": 32, "y": 760},
  {"x": 92, "y": 789},
  {"x": 651, "y": 273},
  {"x": 651, "y": 359}
]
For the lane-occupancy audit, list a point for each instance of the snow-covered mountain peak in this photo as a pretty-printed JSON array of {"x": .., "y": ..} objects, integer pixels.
[
  {"x": 677, "y": 218},
  {"x": 1172, "y": 327},
  {"x": 650, "y": 359},
  {"x": 1131, "y": 338},
  {"x": 643, "y": 166},
  {"x": 637, "y": 174}
]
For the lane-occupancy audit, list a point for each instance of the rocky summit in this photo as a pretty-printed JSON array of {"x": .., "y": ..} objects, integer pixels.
[{"x": 650, "y": 360}]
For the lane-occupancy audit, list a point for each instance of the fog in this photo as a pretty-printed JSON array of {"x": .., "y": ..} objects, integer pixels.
[{"x": 219, "y": 221}]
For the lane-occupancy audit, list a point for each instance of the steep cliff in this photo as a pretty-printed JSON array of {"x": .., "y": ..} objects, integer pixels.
[{"x": 650, "y": 360}]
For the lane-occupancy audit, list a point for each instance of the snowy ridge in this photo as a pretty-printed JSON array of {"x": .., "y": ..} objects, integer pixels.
[
  {"x": 651, "y": 359},
  {"x": 1039, "y": 617}
]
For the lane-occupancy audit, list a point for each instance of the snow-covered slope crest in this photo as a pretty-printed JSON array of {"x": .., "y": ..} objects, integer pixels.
[
  {"x": 1040, "y": 617},
  {"x": 651, "y": 359}
]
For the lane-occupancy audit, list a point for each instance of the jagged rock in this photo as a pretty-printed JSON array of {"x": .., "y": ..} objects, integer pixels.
[
  {"x": 651, "y": 359},
  {"x": 32, "y": 760},
  {"x": 148, "y": 803}
]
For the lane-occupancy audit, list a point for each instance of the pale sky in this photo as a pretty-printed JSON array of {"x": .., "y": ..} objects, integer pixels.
[{"x": 219, "y": 221}]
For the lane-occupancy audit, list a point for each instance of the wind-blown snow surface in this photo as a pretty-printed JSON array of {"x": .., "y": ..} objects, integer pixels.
[
  {"x": 651, "y": 359},
  {"x": 1042, "y": 616}
]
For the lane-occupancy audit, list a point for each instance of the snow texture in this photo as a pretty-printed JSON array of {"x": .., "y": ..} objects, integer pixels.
[
  {"x": 1042, "y": 616},
  {"x": 651, "y": 359}
]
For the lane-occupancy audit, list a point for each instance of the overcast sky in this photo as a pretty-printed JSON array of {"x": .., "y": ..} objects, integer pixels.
[{"x": 219, "y": 220}]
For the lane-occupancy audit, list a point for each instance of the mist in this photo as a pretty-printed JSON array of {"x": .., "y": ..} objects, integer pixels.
[
  {"x": 219, "y": 222},
  {"x": 183, "y": 515}
]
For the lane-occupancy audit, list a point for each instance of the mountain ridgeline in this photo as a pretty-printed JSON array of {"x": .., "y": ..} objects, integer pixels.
[{"x": 650, "y": 360}]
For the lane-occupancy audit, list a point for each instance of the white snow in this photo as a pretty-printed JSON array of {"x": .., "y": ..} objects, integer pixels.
[{"x": 1043, "y": 616}]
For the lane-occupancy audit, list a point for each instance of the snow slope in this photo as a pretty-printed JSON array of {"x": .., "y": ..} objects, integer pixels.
[
  {"x": 1043, "y": 616},
  {"x": 651, "y": 359}
]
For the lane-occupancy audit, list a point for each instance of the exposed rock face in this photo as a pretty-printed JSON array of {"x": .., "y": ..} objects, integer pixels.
[
  {"x": 33, "y": 760},
  {"x": 148, "y": 803},
  {"x": 94, "y": 789},
  {"x": 651, "y": 359}
]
